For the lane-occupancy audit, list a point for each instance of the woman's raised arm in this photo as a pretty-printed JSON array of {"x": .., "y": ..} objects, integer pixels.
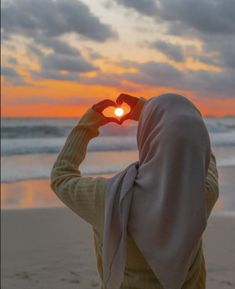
[{"x": 83, "y": 195}]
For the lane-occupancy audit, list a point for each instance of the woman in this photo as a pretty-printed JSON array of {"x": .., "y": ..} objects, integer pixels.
[{"x": 148, "y": 220}]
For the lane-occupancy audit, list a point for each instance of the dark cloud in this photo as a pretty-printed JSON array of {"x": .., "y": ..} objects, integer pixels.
[
  {"x": 8, "y": 72},
  {"x": 61, "y": 66},
  {"x": 157, "y": 74},
  {"x": 57, "y": 45},
  {"x": 162, "y": 75},
  {"x": 94, "y": 54},
  {"x": 52, "y": 19},
  {"x": 220, "y": 85},
  {"x": 172, "y": 51},
  {"x": 215, "y": 16},
  {"x": 201, "y": 82},
  {"x": 54, "y": 75},
  {"x": 11, "y": 76},
  {"x": 103, "y": 79},
  {"x": 224, "y": 47},
  {"x": 66, "y": 63},
  {"x": 213, "y": 23},
  {"x": 12, "y": 60},
  {"x": 72, "y": 100},
  {"x": 209, "y": 17},
  {"x": 146, "y": 7},
  {"x": 149, "y": 73},
  {"x": 44, "y": 22}
]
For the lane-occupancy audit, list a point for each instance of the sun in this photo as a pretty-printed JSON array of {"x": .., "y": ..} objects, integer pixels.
[{"x": 119, "y": 111}]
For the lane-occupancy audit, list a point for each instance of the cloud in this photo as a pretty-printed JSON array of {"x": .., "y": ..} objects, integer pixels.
[
  {"x": 146, "y": 7},
  {"x": 52, "y": 19},
  {"x": 8, "y": 72},
  {"x": 211, "y": 22},
  {"x": 209, "y": 17},
  {"x": 12, "y": 76},
  {"x": 106, "y": 79},
  {"x": 215, "y": 16},
  {"x": 57, "y": 45},
  {"x": 220, "y": 85},
  {"x": 94, "y": 55},
  {"x": 149, "y": 74},
  {"x": 66, "y": 63},
  {"x": 162, "y": 75},
  {"x": 225, "y": 47},
  {"x": 157, "y": 74},
  {"x": 59, "y": 66},
  {"x": 200, "y": 82},
  {"x": 44, "y": 22},
  {"x": 12, "y": 60},
  {"x": 172, "y": 51},
  {"x": 72, "y": 100}
]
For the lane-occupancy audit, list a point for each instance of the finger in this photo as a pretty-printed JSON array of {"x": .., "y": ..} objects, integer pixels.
[
  {"x": 122, "y": 98},
  {"x": 125, "y": 117},
  {"x": 106, "y": 103},
  {"x": 100, "y": 106},
  {"x": 112, "y": 119}
]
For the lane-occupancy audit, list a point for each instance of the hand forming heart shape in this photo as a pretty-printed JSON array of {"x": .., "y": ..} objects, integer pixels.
[{"x": 106, "y": 104}]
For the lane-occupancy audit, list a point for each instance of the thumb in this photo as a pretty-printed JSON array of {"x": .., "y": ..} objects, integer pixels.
[
  {"x": 125, "y": 117},
  {"x": 112, "y": 119}
]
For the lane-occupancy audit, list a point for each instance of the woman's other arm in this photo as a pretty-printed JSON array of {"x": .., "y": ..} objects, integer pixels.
[{"x": 212, "y": 185}]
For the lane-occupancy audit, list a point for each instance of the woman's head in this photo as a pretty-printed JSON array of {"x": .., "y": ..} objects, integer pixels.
[{"x": 169, "y": 120}]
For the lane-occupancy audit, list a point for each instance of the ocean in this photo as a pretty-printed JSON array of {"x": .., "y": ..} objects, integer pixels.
[{"x": 29, "y": 147}]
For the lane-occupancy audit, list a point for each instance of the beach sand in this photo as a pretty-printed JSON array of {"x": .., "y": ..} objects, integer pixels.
[{"x": 52, "y": 248}]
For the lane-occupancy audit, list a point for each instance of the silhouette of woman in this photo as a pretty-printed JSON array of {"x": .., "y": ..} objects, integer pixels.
[{"x": 148, "y": 220}]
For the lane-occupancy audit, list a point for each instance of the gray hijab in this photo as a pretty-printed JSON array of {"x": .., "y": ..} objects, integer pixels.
[{"x": 160, "y": 199}]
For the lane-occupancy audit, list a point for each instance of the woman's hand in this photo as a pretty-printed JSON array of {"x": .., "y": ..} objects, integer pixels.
[
  {"x": 131, "y": 101},
  {"x": 101, "y": 106}
]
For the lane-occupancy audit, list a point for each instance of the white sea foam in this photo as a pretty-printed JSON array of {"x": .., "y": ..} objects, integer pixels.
[{"x": 28, "y": 147}]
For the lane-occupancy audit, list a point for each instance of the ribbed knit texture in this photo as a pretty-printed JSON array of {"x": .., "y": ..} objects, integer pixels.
[{"x": 85, "y": 197}]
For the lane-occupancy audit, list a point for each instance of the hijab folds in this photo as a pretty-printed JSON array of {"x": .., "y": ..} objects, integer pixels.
[{"x": 160, "y": 199}]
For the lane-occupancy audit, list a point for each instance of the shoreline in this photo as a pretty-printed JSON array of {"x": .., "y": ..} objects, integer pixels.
[{"x": 37, "y": 193}]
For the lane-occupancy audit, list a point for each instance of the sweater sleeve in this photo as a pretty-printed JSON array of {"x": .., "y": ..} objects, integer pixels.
[
  {"x": 212, "y": 185},
  {"x": 83, "y": 195}
]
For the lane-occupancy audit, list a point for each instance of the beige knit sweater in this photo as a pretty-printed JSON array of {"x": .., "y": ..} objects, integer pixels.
[{"x": 85, "y": 196}]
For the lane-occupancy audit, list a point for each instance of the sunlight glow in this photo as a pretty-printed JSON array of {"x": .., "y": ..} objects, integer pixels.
[{"x": 119, "y": 111}]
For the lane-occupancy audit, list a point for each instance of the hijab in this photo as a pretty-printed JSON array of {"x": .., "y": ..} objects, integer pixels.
[{"x": 160, "y": 199}]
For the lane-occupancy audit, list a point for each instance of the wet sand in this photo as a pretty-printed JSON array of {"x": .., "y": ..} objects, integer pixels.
[{"x": 53, "y": 248}]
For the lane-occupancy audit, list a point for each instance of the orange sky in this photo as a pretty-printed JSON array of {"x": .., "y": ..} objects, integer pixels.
[{"x": 208, "y": 106}]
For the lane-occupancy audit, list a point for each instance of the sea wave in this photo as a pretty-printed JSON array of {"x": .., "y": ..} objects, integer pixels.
[
  {"x": 23, "y": 146},
  {"x": 40, "y": 128},
  {"x": 56, "y": 129},
  {"x": 53, "y": 145},
  {"x": 45, "y": 136}
]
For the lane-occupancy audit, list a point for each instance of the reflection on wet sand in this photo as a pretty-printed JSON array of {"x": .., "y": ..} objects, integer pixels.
[
  {"x": 29, "y": 194},
  {"x": 38, "y": 194}
]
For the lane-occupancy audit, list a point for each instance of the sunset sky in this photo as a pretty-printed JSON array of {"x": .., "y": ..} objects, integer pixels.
[{"x": 60, "y": 57}]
